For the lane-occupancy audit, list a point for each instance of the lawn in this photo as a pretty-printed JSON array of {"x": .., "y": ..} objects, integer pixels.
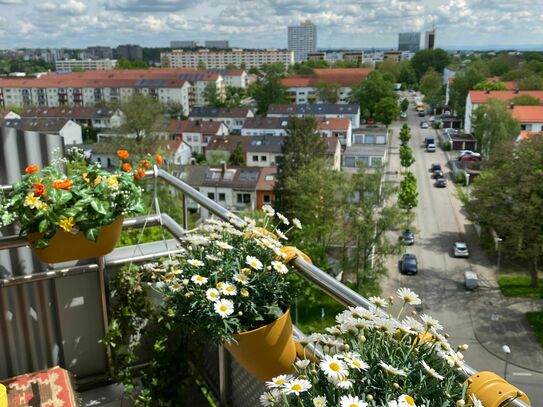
[
  {"x": 519, "y": 286},
  {"x": 535, "y": 319}
]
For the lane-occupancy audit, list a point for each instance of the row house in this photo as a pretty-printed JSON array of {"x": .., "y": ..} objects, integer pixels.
[
  {"x": 195, "y": 134},
  {"x": 302, "y": 89},
  {"x": 67, "y": 129},
  {"x": 369, "y": 148},
  {"x": 530, "y": 117},
  {"x": 476, "y": 98},
  {"x": 95, "y": 117},
  {"x": 263, "y": 151},
  {"x": 327, "y": 110},
  {"x": 233, "y": 117},
  {"x": 234, "y": 188}
]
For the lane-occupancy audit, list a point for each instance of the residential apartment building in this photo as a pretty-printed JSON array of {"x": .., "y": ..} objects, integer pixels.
[
  {"x": 195, "y": 133},
  {"x": 430, "y": 39},
  {"x": 233, "y": 117},
  {"x": 409, "y": 41},
  {"x": 95, "y": 117},
  {"x": 99, "y": 52},
  {"x": 129, "y": 51},
  {"x": 300, "y": 89},
  {"x": 395, "y": 56},
  {"x": 183, "y": 44},
  {"x": 326, "y": 110},
  {"x": 85, "y": 64},
  {"x": 302, "y": 40},
  {"x": 218, "y": 59},
  {"x": 220, "y": 44},
  {"x": 369, "y": 147},
  {"x": 356, "y": 56}
]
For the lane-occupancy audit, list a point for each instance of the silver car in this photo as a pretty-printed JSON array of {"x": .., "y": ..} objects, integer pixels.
[{"x": 460, "y": 249}]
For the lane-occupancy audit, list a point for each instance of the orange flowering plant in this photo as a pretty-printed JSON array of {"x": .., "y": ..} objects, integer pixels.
[{"x": 73, "y": 195}]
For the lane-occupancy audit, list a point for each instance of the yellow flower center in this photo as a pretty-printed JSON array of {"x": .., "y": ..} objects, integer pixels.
[
  {"x": 296, "y": 387},
  {"x": 223, "y": 308},
  {"x": 245, "y": 293},
  {"x": 335, "y": 367},
  {"x": 229, "y": 288},
  {"x": 410, "y": 400},
  {"x": 355, "y": 363},
  {"x": 212, "y": 294},
  {"x": 199, "y": 278},
  {"x": 353, "y": 405},
  {"x": 280, "y": 381}
]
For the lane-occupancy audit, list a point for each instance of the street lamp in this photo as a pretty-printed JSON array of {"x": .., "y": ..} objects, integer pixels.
[
  {"x": 507, "y": 351},
  {"x": 499, "y": 240}
]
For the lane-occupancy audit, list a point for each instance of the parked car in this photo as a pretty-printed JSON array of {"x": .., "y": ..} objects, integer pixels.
[
  {"x": 450, "y": 131},
  {"x": 422, "y": 113},
  {"x": 408, "y": 264},
  {"x": 403, "y": 115},
  {"x": 407, "y": 237},
  {"x": 437, "y": 174},
  {"x": 370, "y": 121},
  {"x": 431, "y": 148},
  {"x": 470, "y": 158},
  {"x": 460, "y": 249},
  {"x": 463, "y": 153},
  {"x": 441, "y": 183},
  {"x": 424, "y": 125},
  {"x": 434, "y": 167},
  {"x": 471, "y": 281}
]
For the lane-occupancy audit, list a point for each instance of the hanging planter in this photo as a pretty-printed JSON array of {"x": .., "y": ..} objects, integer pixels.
[
  {"x": 66, "y": 246},
  {"x": 267, "y": 351}
]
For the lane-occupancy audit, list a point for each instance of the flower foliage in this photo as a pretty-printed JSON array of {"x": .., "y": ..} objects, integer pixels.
[
  {"x": 229, "y": 278},
  {"x": 371, "y": 359},
  {"x": 73, "y": 195}
]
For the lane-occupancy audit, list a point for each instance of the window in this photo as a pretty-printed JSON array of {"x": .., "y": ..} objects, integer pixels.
[
  {"x": 263, "y": 158},
  {"x": 269, "y": 177},
  {"x": 211, "y": 195},
  {"x": 244, "y": 198},
  {"x": 376, "y": 161},
  {"x": 222, "y": 197},
  {"x": 349, "y": 162},
  {"x": 255, "y": 158},
  {"x": 266, "y": 199}
]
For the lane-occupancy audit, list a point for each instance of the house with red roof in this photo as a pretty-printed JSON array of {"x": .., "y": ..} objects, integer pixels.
[
  {"x": 301, "y": 89},
  {"x": 476, "y": 98},
  {"x": 195, "y": 133},
  {"x": 530, "y": 117}
]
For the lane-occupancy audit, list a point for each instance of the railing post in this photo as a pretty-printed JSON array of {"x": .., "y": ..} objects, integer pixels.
[
  {"x": 104, "y": 307},
  {"x": 185, "y": 213},
  {"x": 223, "y": 376}
]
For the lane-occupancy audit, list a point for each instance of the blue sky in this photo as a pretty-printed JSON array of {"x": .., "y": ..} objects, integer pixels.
[{"x": 262, "y": 23}]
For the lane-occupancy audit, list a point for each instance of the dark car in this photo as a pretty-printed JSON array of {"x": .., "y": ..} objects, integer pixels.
[
  {"x": 441, "y": 183},
  {"x": 408, "y": 264},
  {"x": 435, "y": 167},
  {"x": 437, "y": 174},
  {"x": 408, "y": 237}
]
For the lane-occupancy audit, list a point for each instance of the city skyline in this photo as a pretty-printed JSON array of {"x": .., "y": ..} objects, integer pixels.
[{"x": 345, "y": 24}]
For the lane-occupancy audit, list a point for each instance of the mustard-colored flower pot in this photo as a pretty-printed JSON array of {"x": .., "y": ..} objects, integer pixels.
[
  {"x": 65, "y": 246},
  {"x": 268, "y": 351},
  {"x": 3, "y": 396},
  {"x": 492, "y": 390}
]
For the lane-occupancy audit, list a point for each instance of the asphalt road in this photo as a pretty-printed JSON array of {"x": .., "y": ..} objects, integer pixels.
[{"x": 439, "y": 223}]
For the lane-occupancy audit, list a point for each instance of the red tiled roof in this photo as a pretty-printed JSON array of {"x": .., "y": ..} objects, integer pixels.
[
  {"x": 528, "y": 114},
  {"x": 189, "y": 126},
  {"x": 263, "y": 184},
  {"x": 334, "y": 123},
  {"x": 480, "y": 96},
  {"x": 342, "y": 76}
]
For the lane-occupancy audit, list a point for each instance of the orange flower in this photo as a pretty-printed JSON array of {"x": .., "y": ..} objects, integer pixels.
[
  {"x": 31, "y": 168},
  {"x": 126, "y": 167},
  {"x": 145, "y": 164},
  {"x": 39, "y": 189},
  {"x": 64, "y": 184},
  {"x": 140, "y": 172},
  {"x": 122, "y": 154},
  {"x": 159, "y": 159}
]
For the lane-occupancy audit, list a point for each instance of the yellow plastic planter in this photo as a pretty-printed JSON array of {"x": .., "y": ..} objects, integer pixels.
[
  {"x": 268, "y": 351},
  {"x": 492, "y": 390},
  {"x": 3, "y": 396},
  {"x": 65, "y": 246}
]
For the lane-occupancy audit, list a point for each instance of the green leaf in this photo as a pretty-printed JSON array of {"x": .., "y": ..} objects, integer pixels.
[
  {"x": 43, "y": 226},
  {"x": 92, "y": 234},
  {"x": 64, "y": 196},
  {"x": 100, "y": 207},
  {"x": 41, "y": 243}
]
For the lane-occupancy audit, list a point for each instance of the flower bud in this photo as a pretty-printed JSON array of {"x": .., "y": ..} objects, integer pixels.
[
  {"x": 396, "y": 386},
  {"x": 460, "y": 403},
  {"x": 362, "y": 339},
  {"x": 369, "y": 397}
]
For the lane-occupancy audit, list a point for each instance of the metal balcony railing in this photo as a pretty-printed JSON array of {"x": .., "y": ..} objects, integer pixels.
[{"x": 230, "y": 383}]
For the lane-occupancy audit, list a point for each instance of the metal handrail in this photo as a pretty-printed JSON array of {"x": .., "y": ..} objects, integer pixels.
[{"x": 313, "y": 274}]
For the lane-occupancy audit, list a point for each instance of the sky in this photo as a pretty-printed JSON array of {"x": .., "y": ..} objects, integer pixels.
[{"x": 263, "y": 23}]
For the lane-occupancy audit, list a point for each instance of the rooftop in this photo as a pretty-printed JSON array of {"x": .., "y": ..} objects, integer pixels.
[
  {"x": 41, "y": 125},
  {"x": 481, "y": 96},
  {"x": 341, "y": 76},
  {"x": 528, "y": 114},
  {"x": 207, "y": 111},
  {"x": 313, "y": 109}
]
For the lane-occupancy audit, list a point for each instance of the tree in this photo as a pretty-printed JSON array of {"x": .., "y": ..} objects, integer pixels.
[
  {"x": 391, "y": 69},
  {"x": 386, "y": 110},
  {"x": 201, "y": 65},
  {"x": 327, "y": 92},
  {"x": 490, "y": 85},
  {"x": 425, "y": 59},
  {"x": 238, "y": 156},
  {"x": 124, "y": 63},
  {"x": 268, "y": 91},
  {"x": 532, "y": 82},
  {"x": 408, "y": 196},
  {"x": 302, "y": 145},
  {"x": 212, "y": 95},
  {"x": 526, "y": 100},
  {"x": 404, "y": 105},
  {"x": 493, "y": 124},
  {"x": 463, "y": 82},
  {"x": 369, "y": 92},
  {"x": 406, "y": 156},
  {"x": 407, "y": 74},
  {"x": 142, "y": 113},
  {"x": 370, "y": 218},
  {"x": 508, "y": 198},
  {"x": 430, "y": 86},
  {"x": 405, "y": 134},
  {"x": 501, "y": 64},
  {"x": 174, "y": 110}
]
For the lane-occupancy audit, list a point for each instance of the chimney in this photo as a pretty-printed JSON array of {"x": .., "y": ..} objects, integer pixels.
[
  {"x": 512, "y": 105},
  {"x": 223, "y": 167},
  {"x": 487, "y": 91},
  {"x": 517, "y": 90}
]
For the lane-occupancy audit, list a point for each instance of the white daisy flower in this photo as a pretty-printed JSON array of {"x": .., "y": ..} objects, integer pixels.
[
  {"x": 270, "y": 398},
  {"x": 241, "y": 278},
  {"x": 408, "y": 296},
  {"x": 224, "y": 246},
  {"x": 303, "y": 363},
  {"x": 212, "y": 257},
  {"x": 378, "y": 301},
  {"x": 319, "y": 401},
  {"x": 195, "y": 263},
  {"x": 254, "y": 262},
  {"x": 432, "y": 372},
  {"x": 406, "y": 401},
  {"x": 282, "y": 218},
  {"x": 392, "y": 370},
  {"x": 413, "y": 324},
  {"x": 198, "y": 279},
  {"x": 281, "y": 235},
  {"x": 351, "y": 401},
  {"x": 296, "y": 386},
  {"x": 280, "y": 267},
  {"x": 342, "y": 382},
  {"x": 333, "y": 367},
  {"x": 354, "y": 361},
  {"x": 475, "y": 401},
  {"x": 431, "y": 322},
  {"x": 212, "y": 294},
  {"x": 297, "y": 224},
  {"x": 176, "y": 286},
  {"x": 224, "y": 307},
  {"x": 278, "y": 381},
  {"x": 269, "y": 210},
  {"x": 229, "y": 289}
]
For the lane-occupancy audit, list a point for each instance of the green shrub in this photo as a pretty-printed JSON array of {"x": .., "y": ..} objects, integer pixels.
[
  {"x": 460, "y": 178},
  {"x": 447, "y": 146}
]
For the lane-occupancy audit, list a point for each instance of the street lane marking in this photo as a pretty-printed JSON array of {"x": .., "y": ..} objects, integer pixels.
[{"x": 522, "y": 374}]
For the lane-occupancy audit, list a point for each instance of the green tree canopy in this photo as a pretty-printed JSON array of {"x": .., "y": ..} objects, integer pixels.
[
  {"x": 502, "y": 63},
  {"x": 327, "y": 92},
  {"x": 392, "y": 68},
  {"x": 267, "y": 91},
  {"x": 201, "y": 65},
  {"x": 369, "y": 92},
  {"x": 406, "y": 156},
  {"x": 124, "y": 63},
  {"x": 490, "y": 85},
  {"x": 526, "y": 100},
  {"x": 142, "y": 113},
  {"x": 238, "y": 156},
  {"x": 463, "y": 82},
  {"x": 407, "y": 74},
  {"x": 493, "y": 124},
  {"x": 531, "y": 82},
  {"x": 387, "y": 110},
  {"x": 405, "y": 134},
  {"x": 213, "y": 96},
  {"x": 430, "y": 86},
  {"x": 404, "y": 105},
  {"x": 425, "y": 59}
]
